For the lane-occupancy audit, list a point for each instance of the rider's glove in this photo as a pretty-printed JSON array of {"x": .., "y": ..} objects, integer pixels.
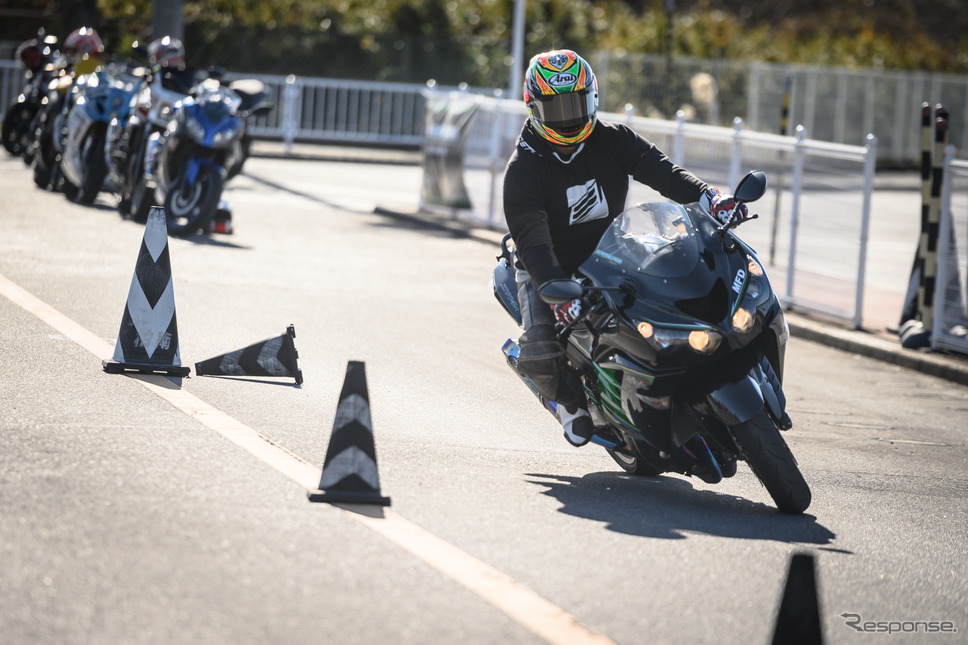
[
  {"x": 568, "y": 312},
  {"x": 721, "y": 206}
]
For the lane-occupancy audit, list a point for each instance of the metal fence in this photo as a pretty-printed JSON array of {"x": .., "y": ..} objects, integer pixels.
[
  {"x": 815, "y": 238},
  {"x": 837, "y": 105}
]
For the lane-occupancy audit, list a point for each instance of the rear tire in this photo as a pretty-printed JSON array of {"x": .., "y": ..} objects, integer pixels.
[
  {"x": 772, "y": 462},
  {"x": 632, "y": 464}
]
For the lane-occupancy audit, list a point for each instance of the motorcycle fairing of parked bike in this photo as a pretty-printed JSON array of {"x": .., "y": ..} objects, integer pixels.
[{"x": 680, "y": 347}]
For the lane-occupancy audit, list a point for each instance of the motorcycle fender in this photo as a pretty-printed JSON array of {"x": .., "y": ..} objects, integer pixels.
[{"x": 736, "y": 402}]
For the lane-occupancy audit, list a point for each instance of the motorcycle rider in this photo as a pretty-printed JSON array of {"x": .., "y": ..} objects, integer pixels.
[
  {"x": 82, "y": 48},
  {"x": 565, "y": 182}
]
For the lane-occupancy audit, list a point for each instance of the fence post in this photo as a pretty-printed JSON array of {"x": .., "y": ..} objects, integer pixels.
[
  {"x": 799, "y": 158},
  {"x": 870, "y": 162},
  {"x": 290, "y": 112},
  {"x": 679, "y": 148},
  {"x": 784, "y": 117},
  {"x": 734, "y": 164},
  {"x": 930, "y": 259}
]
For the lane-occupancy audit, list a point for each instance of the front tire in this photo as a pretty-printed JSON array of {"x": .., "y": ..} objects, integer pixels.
[
  {"x": 95, "y": 167},
  {"x": 190, "y": 208},
  {"x": 772, "y": 462}
]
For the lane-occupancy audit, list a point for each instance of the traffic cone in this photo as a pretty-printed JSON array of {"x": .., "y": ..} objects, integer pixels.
[
  {"x": 272, "y": 357},
  {"x": 349, "y": 472},
  {"x": 798, "y": 621},
  {"x": 148, "y": 338}
]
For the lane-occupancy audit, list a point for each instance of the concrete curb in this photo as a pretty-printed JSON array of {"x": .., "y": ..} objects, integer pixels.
[{"x": 947, "y": 366}]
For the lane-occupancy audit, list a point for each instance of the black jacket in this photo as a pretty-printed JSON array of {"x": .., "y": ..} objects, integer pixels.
[{"x": 557, "y": 210}]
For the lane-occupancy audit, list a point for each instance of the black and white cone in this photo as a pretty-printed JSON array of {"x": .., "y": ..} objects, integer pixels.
[
  {"x": 349, "y": 472},
  {"x": 148, "y": 338},
  {"x": 273, "y": 357},
  {"x": 798, "y": 619}
]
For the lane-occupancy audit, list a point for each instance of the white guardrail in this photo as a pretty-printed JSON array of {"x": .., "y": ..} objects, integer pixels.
[
  {"x": 818, "y": 261},
  {"x": 817, "y": 238}
]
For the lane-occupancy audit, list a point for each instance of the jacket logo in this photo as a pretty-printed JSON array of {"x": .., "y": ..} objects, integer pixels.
[{"x": 586, "y": 203}]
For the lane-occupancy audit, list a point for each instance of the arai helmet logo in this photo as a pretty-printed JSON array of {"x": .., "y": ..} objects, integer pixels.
[{"x": 562, "y": 78}]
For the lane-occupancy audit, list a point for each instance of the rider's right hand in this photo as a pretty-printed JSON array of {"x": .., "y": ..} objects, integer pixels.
[{"x": 568, "y": 312}]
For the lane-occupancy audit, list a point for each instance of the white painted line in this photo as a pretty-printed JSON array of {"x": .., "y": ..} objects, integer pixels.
[{"x": 521, "y": 604}]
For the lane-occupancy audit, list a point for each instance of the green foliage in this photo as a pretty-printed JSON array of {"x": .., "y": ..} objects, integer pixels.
[{"x": 470, "y": 41}]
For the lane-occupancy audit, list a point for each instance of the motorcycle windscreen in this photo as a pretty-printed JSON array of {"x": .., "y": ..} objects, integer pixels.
[{"x": 657, "y": 240}]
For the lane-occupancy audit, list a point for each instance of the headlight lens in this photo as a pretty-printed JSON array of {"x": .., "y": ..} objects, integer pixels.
[
  {"x": 743, "y": 320},
  {"x": 195, "y": 129},
  {"x": 703, "y": 341}
]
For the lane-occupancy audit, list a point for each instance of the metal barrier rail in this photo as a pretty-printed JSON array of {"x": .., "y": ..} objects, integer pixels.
[{"x": 830, "y": 190}]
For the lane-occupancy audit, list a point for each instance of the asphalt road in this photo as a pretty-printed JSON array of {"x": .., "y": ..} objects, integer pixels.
[{"x": 154, "y": 510}]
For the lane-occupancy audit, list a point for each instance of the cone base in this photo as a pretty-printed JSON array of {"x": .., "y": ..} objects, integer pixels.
[
  {"x": 347, "y": 497},
  {"x": 119, "y": 368}
]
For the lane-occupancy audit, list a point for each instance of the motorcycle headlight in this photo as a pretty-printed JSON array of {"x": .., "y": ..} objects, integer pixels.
[
  {"x": 703, "y": 341},
  {"x": 194, "y": 127},
  {"x": 743, "y": 320},
  {"x": 228, "y": 133}
]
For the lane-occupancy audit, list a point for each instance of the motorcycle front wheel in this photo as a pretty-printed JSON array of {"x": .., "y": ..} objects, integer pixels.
[
  {"x": 16, "y": 127},
  {"x": 772, "y": 462},
  {"x": 189, "y": 208},
  {"x": 95, "y": 167}
]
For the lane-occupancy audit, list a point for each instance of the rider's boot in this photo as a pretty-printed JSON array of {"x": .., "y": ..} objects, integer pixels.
[{"x": 577, "y": 424}]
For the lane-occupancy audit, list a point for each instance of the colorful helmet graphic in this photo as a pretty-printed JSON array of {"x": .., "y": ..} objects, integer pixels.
[
  {"x": 82, "y": 42},
  {"x": 562, "y": 96},
  {"x": 167, "y": 52}
]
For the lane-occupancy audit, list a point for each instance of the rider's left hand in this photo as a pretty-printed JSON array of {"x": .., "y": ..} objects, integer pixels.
[{"x": 721, "y": 206}]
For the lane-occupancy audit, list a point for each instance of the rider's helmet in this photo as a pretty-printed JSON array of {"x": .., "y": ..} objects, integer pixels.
[
  {"x": 31, "y": 54},
  {"x": 562, "y": 96},
  {"x": 166, "y": 52},
  {"x": 82, "y": 43}
]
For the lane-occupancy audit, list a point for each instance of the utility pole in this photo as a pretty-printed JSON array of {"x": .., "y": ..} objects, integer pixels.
[
  {"x": 670, "y": 8},
  {"x": 517, "y": 51},
  {"x": 167, "y": 17}
]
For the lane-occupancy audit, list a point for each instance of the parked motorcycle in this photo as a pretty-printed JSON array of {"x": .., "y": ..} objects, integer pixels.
[
  {"x": 37, "y": 57},
  {"x": 101, "y": 98},
  {"x": 189, "y": 163},
  {"x": 127, "y": 139},
  {"x": 680, "y": 347}
]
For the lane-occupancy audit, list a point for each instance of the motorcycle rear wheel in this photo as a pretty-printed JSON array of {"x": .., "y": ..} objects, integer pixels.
[
  {"x": 190, "y": 208},
  {"x": 772, "y": 462},
  {"x": 632, "y": 464}
]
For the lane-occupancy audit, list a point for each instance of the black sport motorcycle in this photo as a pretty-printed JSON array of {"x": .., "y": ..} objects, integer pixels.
[{"x": 680, "y": 346}]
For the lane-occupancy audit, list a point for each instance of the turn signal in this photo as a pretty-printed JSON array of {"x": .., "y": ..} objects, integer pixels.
[{"x": 645, "y": 329}]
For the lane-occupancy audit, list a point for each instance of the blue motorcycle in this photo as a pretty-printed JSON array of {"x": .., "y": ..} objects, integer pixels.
[
  {"x": 191, "y": 160},
  {"x": 100, "y": 98}
]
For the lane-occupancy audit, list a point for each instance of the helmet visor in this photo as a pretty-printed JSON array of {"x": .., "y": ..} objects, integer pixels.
[{"x": 564, "y": 112}]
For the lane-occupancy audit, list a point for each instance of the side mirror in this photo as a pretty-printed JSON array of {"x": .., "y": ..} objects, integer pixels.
[
  {"x": 751, "y": 187},
  {"x": 558, "y": 292}
]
